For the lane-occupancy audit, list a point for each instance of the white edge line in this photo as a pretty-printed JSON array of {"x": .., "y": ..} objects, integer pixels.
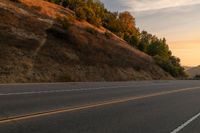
[
  {"x": 74, "y": 90},
  {"x": 56, "y": 83},
  {"x": 70, "y": 90},
  {"x": 178, "y": 129}
]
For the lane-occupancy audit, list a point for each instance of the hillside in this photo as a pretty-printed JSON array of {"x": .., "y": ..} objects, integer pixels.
[
  {"x": 192, "y": 72},
  {"x": 187, "y": 67},
  {"x": 38, "y": 45}
]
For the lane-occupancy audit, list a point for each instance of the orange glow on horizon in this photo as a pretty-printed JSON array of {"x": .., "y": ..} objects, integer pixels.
[{"x": 187, "y": 51}]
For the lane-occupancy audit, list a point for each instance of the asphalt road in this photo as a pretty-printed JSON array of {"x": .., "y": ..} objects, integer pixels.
[{"x": 105, "y": 107}]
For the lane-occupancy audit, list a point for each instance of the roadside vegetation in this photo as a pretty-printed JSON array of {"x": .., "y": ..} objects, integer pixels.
[
  {"x": 197, "y": 77},
  {"x": 47, "y": 43},
  {"x": 123, "y": 25},
  {"x": 14, "y": 0},
  {"x": 92, "y": 31}
]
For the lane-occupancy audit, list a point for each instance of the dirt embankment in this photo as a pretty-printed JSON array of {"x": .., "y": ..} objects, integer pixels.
[{"x": 34, "y": 47}]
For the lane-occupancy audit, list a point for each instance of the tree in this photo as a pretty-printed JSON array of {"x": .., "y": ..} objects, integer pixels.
[
  {"x": 158, "y": 47},
  {"x": 145, "y": 40},
  {"x": 127, "y": 21},
  {"x": 131, "y": 39},
  {"x": 74, "y": 4}
]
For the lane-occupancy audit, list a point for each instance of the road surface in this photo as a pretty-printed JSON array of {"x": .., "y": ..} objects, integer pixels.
[{"x": 104, "y": 107}]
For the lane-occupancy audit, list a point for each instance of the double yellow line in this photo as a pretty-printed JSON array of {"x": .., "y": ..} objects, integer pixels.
[{"x": 104, "y": 103}]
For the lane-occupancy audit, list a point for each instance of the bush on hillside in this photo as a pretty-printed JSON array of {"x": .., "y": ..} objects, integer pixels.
[
  {"x": 171, "y": 65},
  {"x": 64, "y": 21},
  {"x": 197, "y": 77},
  {"x": 108, "y": 35},
  {"x": 92, "y": 31},
  {"x": 38, "y": 8},
  {"x": 15, "y": 1}
]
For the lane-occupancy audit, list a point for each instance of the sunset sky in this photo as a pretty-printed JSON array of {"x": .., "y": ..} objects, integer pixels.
[{"x": 178, "y": 21}]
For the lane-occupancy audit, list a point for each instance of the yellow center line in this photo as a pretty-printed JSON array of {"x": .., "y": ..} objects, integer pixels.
[{"x": 104, "y": 103}]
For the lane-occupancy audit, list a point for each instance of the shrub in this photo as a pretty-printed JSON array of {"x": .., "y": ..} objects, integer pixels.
[
  {"x": 81, "y": 14},
  {"x": 15, "y": 1},
  {"x": 137, "y": 68},
  {"x": 197, "y": 77},
  {"x": 108, "y": 35},
  {"x": 60, "y": 29},
  {"x": 38, "y": 8},
  {"x": 64, "y": 22},
  {"x": 171, "y": 65},
  {"x": 92, "y": 31},
  {"x": 58, "y": 33},
  {"x": 65, "y": 78}
]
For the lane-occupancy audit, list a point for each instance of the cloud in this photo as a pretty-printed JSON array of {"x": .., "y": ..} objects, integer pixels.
[
  {"x": 117, "y": 5},
  {"x": 146, "y": 5},
  {"x": 176, "y": 20}
]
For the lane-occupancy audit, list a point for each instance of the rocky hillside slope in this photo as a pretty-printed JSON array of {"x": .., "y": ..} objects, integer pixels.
[{"x": 43, "y": 42}]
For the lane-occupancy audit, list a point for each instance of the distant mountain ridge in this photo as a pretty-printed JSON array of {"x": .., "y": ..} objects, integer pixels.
[
  {"x": 187, "y": 67},
  {"x": 192, "y": 72}
]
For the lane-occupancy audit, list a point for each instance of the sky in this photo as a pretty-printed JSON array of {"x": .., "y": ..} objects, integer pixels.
[{"x": 176, "y": 20}]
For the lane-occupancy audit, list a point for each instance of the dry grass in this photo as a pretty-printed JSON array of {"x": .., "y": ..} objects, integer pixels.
[
  {"x": 64, "y": 54},
  {"x": 48, "y": 9}
]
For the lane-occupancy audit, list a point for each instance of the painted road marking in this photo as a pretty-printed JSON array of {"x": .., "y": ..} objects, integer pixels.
[
  {"x": 116, "y": 101},
  {"x": 63, "y": 83},
  {"x": 186, "y": 123},
  {"x": 74, "y": 90}
]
